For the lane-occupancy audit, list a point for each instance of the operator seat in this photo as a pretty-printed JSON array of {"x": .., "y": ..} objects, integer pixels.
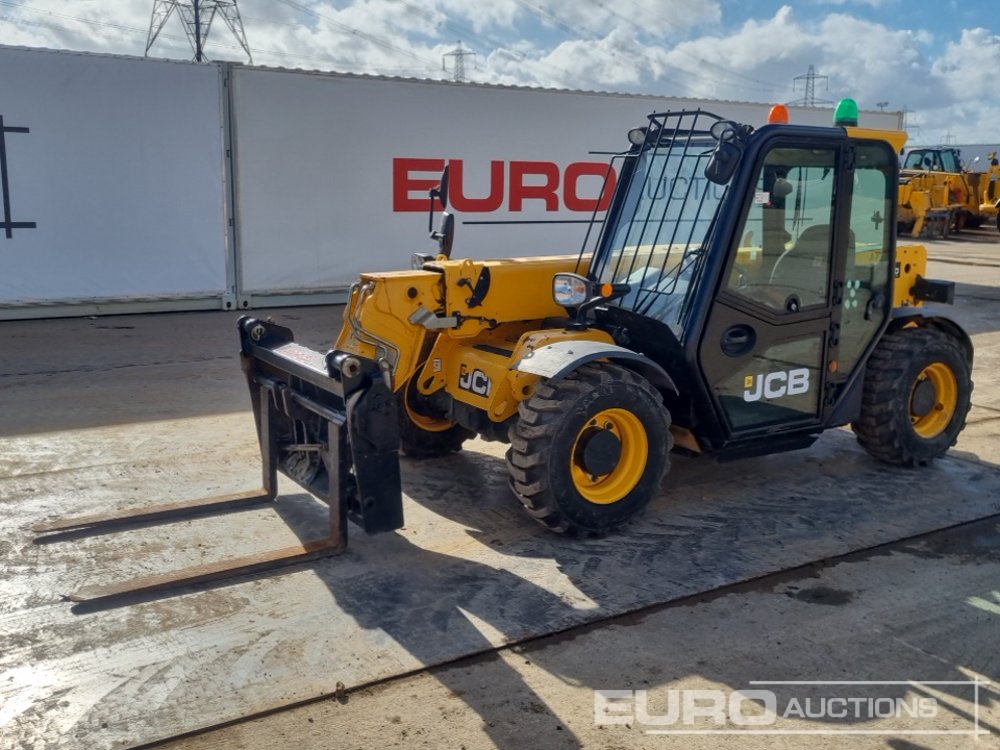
[{"x": 802, "y": 269}]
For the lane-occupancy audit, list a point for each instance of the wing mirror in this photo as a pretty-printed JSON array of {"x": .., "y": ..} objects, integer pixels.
[
  {"x": 728, "y": 151},
  {"x": 445, "y": 234}
]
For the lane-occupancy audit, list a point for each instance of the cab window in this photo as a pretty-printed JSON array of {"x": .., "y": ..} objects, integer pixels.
[
  {"x": 783, "y": 258},
  {"x": 866, "y": 285}
]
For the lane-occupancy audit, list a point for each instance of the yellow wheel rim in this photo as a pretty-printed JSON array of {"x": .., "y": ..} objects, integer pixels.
[
  {"x": 945, "y": 384},
  {"x": 616, "y": 484},
  {"x": 428, "y": 424}
]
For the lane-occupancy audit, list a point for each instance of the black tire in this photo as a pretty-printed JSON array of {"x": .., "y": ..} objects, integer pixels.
[
  {"x": 958, "y": 221},
  {"x": 917, "y": 393},
  {"x": 424, "y": 434},
  {"x": 546, "y": 457}
]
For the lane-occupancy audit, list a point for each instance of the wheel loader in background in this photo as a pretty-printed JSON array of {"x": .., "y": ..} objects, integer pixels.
[
  {"x": 938, "y": 196},
  {"x": 742, "y": 294}
]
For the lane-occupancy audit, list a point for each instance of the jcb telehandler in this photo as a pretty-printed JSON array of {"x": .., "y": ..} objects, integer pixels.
[
  {"x": 742, "y": 294},
  {"x": 938, "y": 195}
]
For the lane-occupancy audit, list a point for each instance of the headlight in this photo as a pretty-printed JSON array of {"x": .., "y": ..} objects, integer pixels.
[{"x": 570, "y": 290}]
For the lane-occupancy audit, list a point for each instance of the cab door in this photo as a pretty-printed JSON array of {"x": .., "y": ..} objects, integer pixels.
[{"x": 764, "y": 350}]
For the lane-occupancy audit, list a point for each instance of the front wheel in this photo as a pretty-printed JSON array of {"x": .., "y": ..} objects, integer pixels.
[
  {"x": 588, "y": 452},
  {"x": 917, "y": 393},
  {"x": 423, "y": 433}
]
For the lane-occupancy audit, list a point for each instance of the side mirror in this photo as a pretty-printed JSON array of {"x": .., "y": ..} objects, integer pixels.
[
  {"x": 728, "y": 151},
  {"x": 441, "y": 193},
  {"x": 722, "y": 166},
  {"x": 445, "y": 235}
]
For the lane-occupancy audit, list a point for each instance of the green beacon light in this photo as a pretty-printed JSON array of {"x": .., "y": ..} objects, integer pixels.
[{"x": 847, "y": 114}]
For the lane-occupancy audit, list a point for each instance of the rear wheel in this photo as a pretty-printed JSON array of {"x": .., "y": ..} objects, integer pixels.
[
  {"x": 424, "y": 433},
  {"x": 917, "y": 393},
  {"x": 588, "y": 452}
]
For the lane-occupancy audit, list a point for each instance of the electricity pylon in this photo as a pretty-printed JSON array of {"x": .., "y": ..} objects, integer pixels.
[{"x": 197, "y": 17}]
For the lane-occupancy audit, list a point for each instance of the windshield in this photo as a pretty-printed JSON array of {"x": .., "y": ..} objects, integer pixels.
[
  {"x": 654, "y": 241},
  {"x": 933, "y": 160}
]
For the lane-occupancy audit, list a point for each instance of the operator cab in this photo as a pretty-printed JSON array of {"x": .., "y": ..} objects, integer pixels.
[
  {"x": 662, "y": 222},
  {"x": 933, "y": 160},
  {"x": 759, "y": 286}
]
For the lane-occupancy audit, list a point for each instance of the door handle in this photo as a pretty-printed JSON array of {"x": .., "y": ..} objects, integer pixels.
[{"x": 738, "y": 340}]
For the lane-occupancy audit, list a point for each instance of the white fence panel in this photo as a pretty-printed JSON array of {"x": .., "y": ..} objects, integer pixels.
[
  {"x": 333, "y": 171},
  {"x": 122, "y": 173},
  {"x": 116, "y": 194}
]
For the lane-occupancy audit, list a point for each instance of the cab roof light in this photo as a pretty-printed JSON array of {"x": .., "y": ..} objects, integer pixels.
[
  {"x": 778, "y": 115},
  {"x": 846, "y": 115}
]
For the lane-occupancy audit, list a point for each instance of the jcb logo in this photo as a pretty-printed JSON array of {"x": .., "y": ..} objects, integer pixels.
[
  {"x": 477, "y": 381},
  {"x": 776, "y": 384}
]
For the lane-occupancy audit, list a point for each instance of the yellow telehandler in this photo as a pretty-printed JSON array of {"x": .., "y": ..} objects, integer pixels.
[
  {"x": 988, "y": 186},
  {"x": 938, "y": 195},
  {"x": 742, "y": 294}
]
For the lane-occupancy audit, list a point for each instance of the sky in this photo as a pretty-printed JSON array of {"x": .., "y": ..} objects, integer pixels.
[{"x": 933, "y": 60}]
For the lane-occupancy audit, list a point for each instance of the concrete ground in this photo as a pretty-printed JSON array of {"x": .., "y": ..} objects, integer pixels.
[
  {"x": 121, "y": 406},
  {"x": 926, "y": 610}
]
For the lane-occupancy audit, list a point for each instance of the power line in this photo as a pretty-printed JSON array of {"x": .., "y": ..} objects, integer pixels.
[
  {"x": 91, "y": 22},
  {"x": 197, "y": 17},
  {"x": 700, "y": 60},
  {"x": 498, "y": 46},
  {"x": 51, "y": 24},
  {"x": 675, "y": 79},
  {"x": 539, "y": 11},
  {"x": 534, "y": 10},
  {"x": 371, "y": 38}
]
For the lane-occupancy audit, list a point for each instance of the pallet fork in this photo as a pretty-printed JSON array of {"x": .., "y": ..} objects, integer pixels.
[{"x": 328, "y": 422}]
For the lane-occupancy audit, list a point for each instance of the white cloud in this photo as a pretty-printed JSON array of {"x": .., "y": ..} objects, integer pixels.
[
  {"x": 484, "y": 16},
  {"x": 861, "y": 59},
  {"x": 673, "y": 47},
  {"x": 966, "y": 111},
  {"x": 654, "y": 19},
  {"x": 616, "y": 61}
]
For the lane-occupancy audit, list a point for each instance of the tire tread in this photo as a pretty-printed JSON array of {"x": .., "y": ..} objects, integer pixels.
[{"x": 539, "y": 418}]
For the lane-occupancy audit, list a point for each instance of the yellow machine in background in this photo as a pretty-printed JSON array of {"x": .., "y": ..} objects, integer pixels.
[
  {"x": 989, "y": 190},
  {"x": 937, "y": 196}
]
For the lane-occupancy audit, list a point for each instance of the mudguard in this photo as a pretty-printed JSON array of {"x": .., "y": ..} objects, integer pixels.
[
  {"x": 929, "y": 317},
  {"x": 557, "y": 360}
]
